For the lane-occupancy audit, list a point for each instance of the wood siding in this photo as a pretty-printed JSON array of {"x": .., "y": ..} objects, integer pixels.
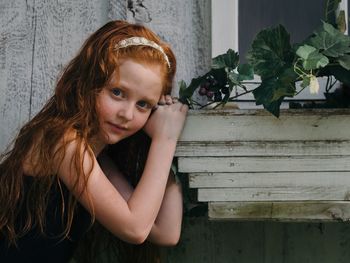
[{"x": 38, "y": 38}]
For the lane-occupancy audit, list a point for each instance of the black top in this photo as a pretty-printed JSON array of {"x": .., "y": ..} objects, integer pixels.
[{"x": 34, "y": 247}]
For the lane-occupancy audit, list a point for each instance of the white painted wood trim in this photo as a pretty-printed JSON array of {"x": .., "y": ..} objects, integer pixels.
[
  {"x": 264, "y": 164},
  {"x": 253, "y": 125},
  {"x": 224, "y": 15},
  {"x": 251, "y": 156},
  {"x": 268, "y": 179},
  {"x": 281, "y": 211},
  {"x": 344, "y": 6},
  {"x": 340, "y": 193},
  {"x": 265, "y": 148}
]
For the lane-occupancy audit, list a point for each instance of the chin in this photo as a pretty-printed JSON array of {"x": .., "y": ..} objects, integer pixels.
[{"x": 113, "y": 139}]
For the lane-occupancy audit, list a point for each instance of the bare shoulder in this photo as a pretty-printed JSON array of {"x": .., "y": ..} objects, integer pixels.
[{"x": 75, "y": 160}]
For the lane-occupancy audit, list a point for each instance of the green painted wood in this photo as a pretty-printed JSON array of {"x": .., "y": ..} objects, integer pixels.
[{"x": 298, "y": 211}]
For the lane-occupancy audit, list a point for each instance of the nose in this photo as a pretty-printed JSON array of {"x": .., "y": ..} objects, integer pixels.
[{"x": 127, "y": 111}]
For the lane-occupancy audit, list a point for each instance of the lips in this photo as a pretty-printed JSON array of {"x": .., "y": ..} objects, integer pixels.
[{"x": 117, "y": 128}]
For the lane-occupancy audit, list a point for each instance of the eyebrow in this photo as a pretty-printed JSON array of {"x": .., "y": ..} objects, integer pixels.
[{"x": 151, "y": 101}]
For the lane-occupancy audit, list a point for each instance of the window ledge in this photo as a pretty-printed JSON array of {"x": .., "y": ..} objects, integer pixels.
[{"x": 249, "y": 165}]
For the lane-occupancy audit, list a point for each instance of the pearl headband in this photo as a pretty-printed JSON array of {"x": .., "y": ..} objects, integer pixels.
[{"x": 141, "y": 41}]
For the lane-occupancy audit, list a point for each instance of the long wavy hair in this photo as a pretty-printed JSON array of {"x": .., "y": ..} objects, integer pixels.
[{"x": 73, "y": 106}]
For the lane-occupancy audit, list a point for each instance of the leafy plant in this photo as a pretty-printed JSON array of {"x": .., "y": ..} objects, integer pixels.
[
  {"x": 218, "y": 83},
  {"x": 279, "y": 64}
]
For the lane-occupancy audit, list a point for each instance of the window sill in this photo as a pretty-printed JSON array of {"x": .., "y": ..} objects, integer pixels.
[{"x": 249, "y": 165}]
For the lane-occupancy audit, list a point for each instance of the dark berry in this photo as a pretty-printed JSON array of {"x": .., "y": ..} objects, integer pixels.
[
  {"x": 210, "y": 94},
  {"x": 212, "y": 81},
  {"x": 202, "y": 90}
]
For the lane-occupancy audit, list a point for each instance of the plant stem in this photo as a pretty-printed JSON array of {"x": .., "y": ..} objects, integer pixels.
[
  {"x": 195, "y": 102},
  {"x": 299, "y": 91},
  {"x": 332, "y": 85},
  {"x": 250, "y": 82},
  {"x": 241, "y": 94},
  {"x": 327, "y": 84},
  {"x": 326, "y": 11}
]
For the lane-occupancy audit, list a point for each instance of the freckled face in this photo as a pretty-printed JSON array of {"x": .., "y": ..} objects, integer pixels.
[{"x": 125, "y": 104}]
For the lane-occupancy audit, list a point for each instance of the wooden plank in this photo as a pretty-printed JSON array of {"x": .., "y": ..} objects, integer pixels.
[
  {"x": 284, "y": 179},
  {"x": 17, "y": 23},
  {"x": 264, "y": 164},
  {"x": 302, "y": 193},
  {"x": 60, "y": 31},
  {"x": 252, "y": 125},
  {"x": 256, "y": 148},
  {"x": 192, "y": 44},
  {"x": 281, "y": 211},
  {"x": 36, "y": 39},
  {"x": 117, "y": 10}
]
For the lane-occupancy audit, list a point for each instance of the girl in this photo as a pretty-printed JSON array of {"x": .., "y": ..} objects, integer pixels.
[{"x": 59, "y": 176}]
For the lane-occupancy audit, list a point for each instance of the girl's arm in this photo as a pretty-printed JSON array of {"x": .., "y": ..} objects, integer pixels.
[
  {"x": 130, "y": 220},
  {"x": 167, "y": 226}
]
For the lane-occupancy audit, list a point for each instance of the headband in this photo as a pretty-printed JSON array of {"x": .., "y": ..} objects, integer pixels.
[{"x": 141, "y": 41}]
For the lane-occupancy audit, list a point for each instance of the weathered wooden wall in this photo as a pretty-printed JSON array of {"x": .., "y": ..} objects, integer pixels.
[
  {"x": 38, "y": 37},
  {"x": 261, "y": 242}
]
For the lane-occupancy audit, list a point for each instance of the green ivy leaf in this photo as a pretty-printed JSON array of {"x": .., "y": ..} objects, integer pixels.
[
  {"x": 305, "y": 51},
  {"x": 344, "y": 61},
  {"x": 330, "y": 41},
  {"x": 246, "y": 72},
  {"x": 274, "y": 107},
  {"x": 287, "y": 79},
  {"x": 315, "y": 60},
  {"x": 306, "y": 81},
  {"x": 186, "y": 93},
  {"x": 312, "y": 59},
  {"x": 230, "y": 60},
  {"x": 264, "y": 94},
  {"x": 272, "y": 91},
  {"x": 182, "y": 88},
  {"x": 271, "y": 52},
  {"x": 220, "y": 76}
]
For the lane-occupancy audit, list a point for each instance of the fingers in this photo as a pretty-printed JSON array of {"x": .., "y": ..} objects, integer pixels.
[
  {"x": 184, "y": 107},
  {"x": 161, "y": 100},
  {"x": 167, "y": 100}
]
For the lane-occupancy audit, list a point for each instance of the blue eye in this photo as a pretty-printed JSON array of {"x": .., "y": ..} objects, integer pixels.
[
  {"x": 143, "y": 104},
  {"x": 117, "y": 92}
]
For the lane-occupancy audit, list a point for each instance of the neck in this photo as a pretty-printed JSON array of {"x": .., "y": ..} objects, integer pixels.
[{"x": 97, "y": 146}]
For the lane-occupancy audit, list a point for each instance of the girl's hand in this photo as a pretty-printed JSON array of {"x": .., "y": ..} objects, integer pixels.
[{"x": 168, "y": 119}]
